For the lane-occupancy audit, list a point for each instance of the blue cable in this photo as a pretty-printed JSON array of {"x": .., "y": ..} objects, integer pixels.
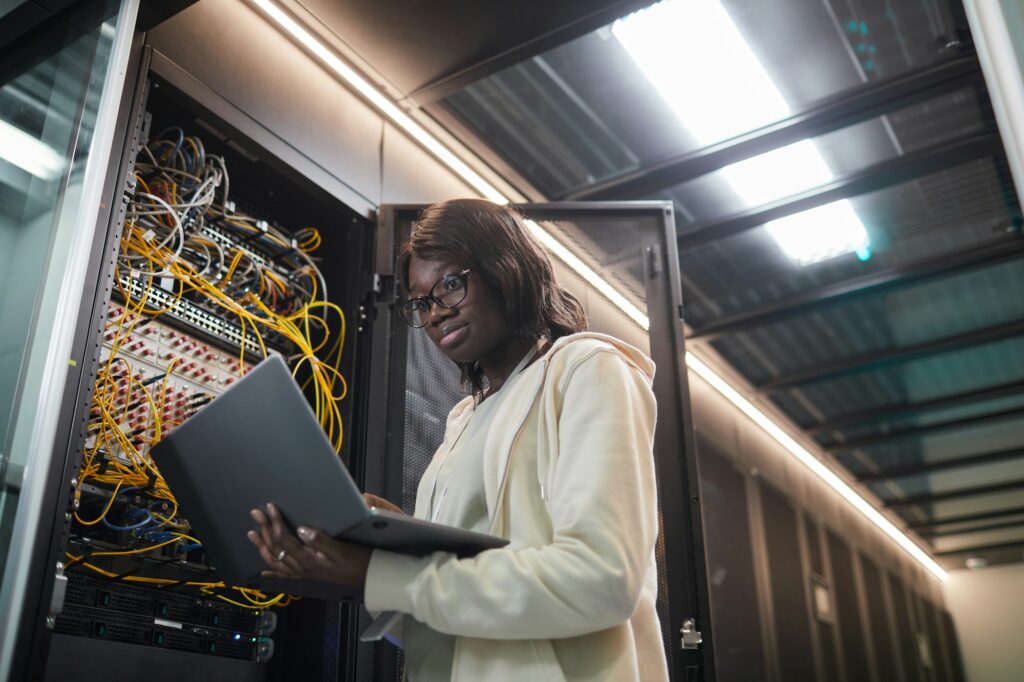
[
  {"x": 146, "y": 521},
  {"x": 181, "y": 137}
]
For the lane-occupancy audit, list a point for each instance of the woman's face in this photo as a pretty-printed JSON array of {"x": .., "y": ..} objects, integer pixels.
[{"x": 473, "y": 329}]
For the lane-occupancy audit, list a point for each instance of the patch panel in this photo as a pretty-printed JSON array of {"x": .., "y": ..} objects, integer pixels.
[
  {"x": 159, "y": 370},
  {"x": 228, "y": 241},
  {"x": 195, "y": 319}
]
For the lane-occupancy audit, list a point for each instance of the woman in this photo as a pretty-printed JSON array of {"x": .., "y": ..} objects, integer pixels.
[{"x": 552, "y": 450}]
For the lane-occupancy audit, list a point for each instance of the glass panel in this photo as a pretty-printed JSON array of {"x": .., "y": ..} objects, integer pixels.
[
  {"x": 48, "y": 116},
  {"x": 587, "y": 111}
]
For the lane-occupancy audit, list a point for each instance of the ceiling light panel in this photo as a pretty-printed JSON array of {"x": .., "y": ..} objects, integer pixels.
[{"x": 703, "y": 68}]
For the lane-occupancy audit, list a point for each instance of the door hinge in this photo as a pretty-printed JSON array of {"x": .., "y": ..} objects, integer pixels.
[
  {"x": 653, "y": 261},
  {"x": 691, "y": 636},
  {"x": 382, "y": 288},
  {"x": 60, "y": 588}
]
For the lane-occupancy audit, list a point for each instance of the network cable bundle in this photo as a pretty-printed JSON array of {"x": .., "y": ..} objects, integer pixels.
[{"x": 202, "y": 291}]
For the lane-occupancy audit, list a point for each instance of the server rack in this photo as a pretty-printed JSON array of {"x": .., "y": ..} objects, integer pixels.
[{"x": 390, "y": 369}]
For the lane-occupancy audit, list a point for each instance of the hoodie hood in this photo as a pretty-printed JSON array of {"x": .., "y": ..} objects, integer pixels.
[{"x": 632, "y": 354}]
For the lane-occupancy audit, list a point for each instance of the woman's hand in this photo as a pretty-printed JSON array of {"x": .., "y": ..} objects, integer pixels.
[
  {"x": 380, "y": 503},
  {"x": 312, "y": 555}
]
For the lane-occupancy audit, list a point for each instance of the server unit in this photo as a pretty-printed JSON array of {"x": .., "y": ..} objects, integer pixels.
[{"x": 216, "y": 253}]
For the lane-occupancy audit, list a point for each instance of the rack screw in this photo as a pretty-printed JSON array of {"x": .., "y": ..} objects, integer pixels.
[
  {"x": 74, "y": 482},
  {"x": 50, "y": 622}
]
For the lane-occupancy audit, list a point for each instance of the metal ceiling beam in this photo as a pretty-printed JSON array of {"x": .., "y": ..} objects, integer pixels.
[
  {"x": 885, "y": 174},
  {"x": 585, "y": 21},
  {"x": 873, "y": 283},
  {"x": 973, "y": 529},
  {"x": 982, "y": 548},
  {"x": 982, "y": 516},
  {"x": 888, "y": 413},
  {"x": 893, "y": 356},
  {"x": 916, "y": 431},
  {"x": 830, "y": 114},
  {"x": 944, "y": 465},
  {"x": 975, "y": 491}
]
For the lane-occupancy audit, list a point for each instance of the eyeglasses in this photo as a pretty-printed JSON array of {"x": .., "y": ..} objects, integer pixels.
[{"x": 452, "y": 292}]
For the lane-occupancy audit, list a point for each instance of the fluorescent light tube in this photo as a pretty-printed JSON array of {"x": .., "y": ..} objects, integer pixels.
[
  {"x": 820, "y": 233},
  {"x": 28, "y": 153},
  {"x": 700, "y": 64}
]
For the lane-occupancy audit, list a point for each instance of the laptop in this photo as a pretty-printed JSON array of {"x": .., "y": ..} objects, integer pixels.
[{"x": 260, "y": 442}]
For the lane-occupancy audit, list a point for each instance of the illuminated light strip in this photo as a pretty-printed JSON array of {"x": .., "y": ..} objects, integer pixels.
[
  {"x": 386, "y": 106},
  {"x": 583, "y": 270},
  {"x": 617, "y": 299},
  {"x": 813, "y": 463}
]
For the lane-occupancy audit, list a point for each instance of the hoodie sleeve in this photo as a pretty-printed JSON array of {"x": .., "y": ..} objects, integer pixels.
[{"x": 603, "y": 509}]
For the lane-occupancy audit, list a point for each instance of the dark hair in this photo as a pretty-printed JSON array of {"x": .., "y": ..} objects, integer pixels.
[{"x": 494, "y": 243}]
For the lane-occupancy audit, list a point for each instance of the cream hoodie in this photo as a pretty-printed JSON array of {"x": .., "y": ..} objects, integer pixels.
[{"x": 572, "y": 597}]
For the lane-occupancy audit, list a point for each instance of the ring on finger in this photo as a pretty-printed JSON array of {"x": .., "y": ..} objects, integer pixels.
[{"x": 281, "y": 555}]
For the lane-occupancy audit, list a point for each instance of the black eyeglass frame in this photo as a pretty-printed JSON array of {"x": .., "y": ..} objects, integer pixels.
[{"x": 407, "y": 311}]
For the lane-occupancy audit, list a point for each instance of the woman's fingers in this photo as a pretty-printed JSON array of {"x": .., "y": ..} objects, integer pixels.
[
  {"x": 262, "y": 526},
  {"x": 278, "y": 529},
  {"x": 313, "y": 555},
  {"x": 379, "y": 502},
  {"x": 317, "y": 542},
  {"x": 275, "y": 574},
  {"x": 343, "y": 555},
  {"x": 266, "y": 553},
  {"x": 273, "y": 537}
]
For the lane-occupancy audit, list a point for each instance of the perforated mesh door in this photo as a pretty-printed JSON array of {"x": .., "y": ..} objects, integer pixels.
[
  {"x": 432, "y": 388},
  {"x": 614, "y": 246}
]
